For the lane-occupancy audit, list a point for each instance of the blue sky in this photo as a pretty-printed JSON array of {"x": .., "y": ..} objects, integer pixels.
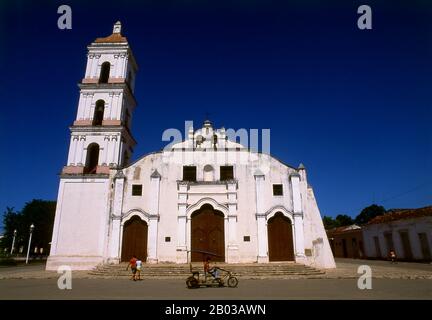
[{"x": 353, "y": 106}]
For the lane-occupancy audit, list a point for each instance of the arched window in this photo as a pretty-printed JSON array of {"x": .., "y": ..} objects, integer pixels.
[
  {"x": 105, "y": 72},
  {"x": 98, "y": 113},
  {"x": 208, "y": 173},
  {"x": 92, "y": 158}
]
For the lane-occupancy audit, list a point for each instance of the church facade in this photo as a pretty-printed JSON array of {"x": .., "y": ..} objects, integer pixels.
[{"x": 206, "y": 195}]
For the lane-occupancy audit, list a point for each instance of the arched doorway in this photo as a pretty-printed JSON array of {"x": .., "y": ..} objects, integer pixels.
[
  {"x": 280, "y": 238},
  {"x": 134, "y": 239},
  {"x": 207, "y": 234}
]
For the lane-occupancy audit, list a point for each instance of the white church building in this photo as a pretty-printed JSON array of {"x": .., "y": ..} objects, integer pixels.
[{"x": 206, "y": 195}]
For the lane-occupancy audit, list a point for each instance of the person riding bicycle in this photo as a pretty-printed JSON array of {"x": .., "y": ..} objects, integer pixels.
[{"x": 214, "y": 271}]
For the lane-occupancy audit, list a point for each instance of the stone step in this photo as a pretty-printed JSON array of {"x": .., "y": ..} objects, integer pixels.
[
  {"x": 243, "y": 270},
  {"x": 183, "y": 270},
  {"x": 232, "y": 266},
  {"x": 237, "y": 273}
]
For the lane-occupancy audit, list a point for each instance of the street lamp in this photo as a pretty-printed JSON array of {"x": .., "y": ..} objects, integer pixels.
[
  {"x": 13, "y": 241},
  {"x": 28, "y": 249}
]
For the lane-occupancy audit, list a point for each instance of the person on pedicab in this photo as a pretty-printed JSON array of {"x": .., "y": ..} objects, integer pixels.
[{"x": 214, "y": 271}]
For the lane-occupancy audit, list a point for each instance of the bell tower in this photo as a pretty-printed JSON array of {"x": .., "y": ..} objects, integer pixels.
[
  {"x": 101, "y": 134},
  {"x": 101, "y": 142}
]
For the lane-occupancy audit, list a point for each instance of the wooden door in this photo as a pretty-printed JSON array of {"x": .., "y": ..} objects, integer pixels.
[
  {"x": 280, "y": 238},
  {"x": 134, "y": 239},
  {"x": 207, "y": 235}
]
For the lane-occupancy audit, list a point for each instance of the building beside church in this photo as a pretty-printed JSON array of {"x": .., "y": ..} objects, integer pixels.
[
  {"x": 205, "y": 195},
  {"x": 347, "y": 242},
  {"x": 406, "y": 231}
]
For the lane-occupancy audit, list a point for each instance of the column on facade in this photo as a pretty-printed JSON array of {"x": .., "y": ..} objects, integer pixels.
[
  {"x": 262, "y": 238},
  {"x": 92, "y": 108},
  {"x": 87, "y": 107},
  {"x": 116, "y": 66},
  {"x": 120, "y": 103},
  {"x": 261, "y": 218},
  {"x": 80, "y": 154},
  {"x": 298, "y": 215},
  {"x": 72, "y": 150},
  {"x": 108, "y": 106},
  {"x": 124, "y": 65},
  {"x": 114, "y": 105},
  {"x": 233, "y": 253},
  {"x": 113, "y": 147},
  {"x": 89, "y": 65},
  {"x": 94, "y": 67},
  {"x": 114, "y": 239},
  {"x": 152, "y": 239},
  {"x": 182, "y": 254},
  {"x": 154, "y": 216},
  {"x": 106, "y": 150},
  {"x": 81, "y": 106}
]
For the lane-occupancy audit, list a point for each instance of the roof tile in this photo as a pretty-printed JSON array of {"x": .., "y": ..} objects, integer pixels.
[{"x": 402, "y": 214}]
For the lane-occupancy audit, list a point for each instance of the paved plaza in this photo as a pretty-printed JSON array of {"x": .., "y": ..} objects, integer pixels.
[
  {"x": 247, "y": 289},
  {"x": 346, "y": 269},
  {"x": 390, "y": 281}
]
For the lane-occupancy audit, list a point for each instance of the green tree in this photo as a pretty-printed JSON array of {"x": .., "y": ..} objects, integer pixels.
[
  {"x": 341, "y": 220},
  {"x": 38, "y": 212},
  {"x": 369, "y": 213},
  {"x": 344, "y": 220},
  {"x": 329, "y": 223},
  {"x": 11, "y": 222}
]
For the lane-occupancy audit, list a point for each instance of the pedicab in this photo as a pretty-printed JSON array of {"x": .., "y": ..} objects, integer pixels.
[{"x": 217, "y": 277}]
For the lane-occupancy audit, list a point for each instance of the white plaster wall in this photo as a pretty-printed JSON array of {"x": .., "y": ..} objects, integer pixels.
[
  {"x": 117, "y": 56},
  {"x": 108, "y": 148},
  {"x": 369, "y": 243},
  {"x": 315, "y": 236},
  {"x": 83, "y": 206},
  {"x": 113, "y": 103},
  {"x": 413, "y": 226},
  {"x": 167, "y": 203},
  {"x": 80, "y": 223},
  {"x": 77, "y": 198},
  {"x": 171, "y": 170}
]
